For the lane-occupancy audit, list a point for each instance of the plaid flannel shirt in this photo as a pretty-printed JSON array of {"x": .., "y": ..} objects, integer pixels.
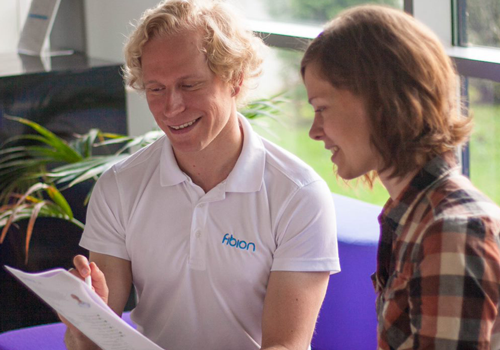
[{"x": 438, "y": 268}]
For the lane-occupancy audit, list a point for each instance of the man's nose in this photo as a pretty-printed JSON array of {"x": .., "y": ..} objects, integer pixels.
[
  {"x": 316, "y": 131},
  {"x": 173, "y": 104}
]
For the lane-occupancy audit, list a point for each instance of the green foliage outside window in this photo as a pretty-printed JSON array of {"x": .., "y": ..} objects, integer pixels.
[
  {"x": 483, "y": 22},
  {"x": 485, "y": 144},
  {"x": 317, "y": 11}
]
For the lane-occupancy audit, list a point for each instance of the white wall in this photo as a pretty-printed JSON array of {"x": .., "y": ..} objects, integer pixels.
[
  {"x": 438, "y": 19},
  {"x": 12, "y": 16},
  {"x": 109, "y": 22},
  {"x": 107, "y": 25}
]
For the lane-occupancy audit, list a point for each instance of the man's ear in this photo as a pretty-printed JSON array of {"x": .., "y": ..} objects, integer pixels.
[
  {"x": 237, "y": 86},
  {"x": 236, "y": 91}
]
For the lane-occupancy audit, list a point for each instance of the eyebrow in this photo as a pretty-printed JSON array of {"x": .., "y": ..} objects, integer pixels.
[
  {"x": 185, "y": 77},
  {"x": 151, "y": 82}
]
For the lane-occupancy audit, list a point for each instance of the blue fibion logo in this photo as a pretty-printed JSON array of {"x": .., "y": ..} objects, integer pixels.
[{"x": 236, "y": 243}]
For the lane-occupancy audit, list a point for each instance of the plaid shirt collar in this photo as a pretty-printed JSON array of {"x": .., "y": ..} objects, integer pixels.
[{"x": 394, "y": 213}]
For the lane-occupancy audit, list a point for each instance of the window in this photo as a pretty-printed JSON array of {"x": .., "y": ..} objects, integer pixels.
[
  {"x": 478, "y": 59},
  {"x": 484, "y": 97},
  {"x": 479, "y": 22}
]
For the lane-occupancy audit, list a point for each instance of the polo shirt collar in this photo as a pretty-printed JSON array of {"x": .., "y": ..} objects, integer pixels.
[
  {"x": 247, "y": 174},
  {"x": 170, "y": 173}
]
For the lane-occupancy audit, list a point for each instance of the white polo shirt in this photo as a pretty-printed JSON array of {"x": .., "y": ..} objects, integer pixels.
[{"x": 201, "y": 261}]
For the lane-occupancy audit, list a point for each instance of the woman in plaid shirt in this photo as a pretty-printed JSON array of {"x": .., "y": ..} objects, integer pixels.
[{"x": 385, "y": 99}]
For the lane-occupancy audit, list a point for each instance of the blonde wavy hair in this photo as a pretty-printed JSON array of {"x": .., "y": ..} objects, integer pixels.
[
  {"x": 402, "y": 72},
  {"x": 234, "y": 53}
]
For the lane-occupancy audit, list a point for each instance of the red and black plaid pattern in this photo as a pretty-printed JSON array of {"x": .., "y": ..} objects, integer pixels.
[{"x": 438, "y": 270}]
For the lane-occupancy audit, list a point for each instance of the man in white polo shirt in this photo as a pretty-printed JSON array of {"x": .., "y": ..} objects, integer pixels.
[{"x": 228, "y": 239}]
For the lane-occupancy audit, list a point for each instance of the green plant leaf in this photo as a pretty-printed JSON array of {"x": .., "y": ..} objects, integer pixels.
[
  {"x": 59, "y": 199},
  {"x": 11, "y": 165},
  {"x": 12, "y": 150},
  {"x": 51, "y": 139},
  {"x": 34, "y": 214},
  {"x": 141, "y": 140},
  {"x": 85, "y": 143},
  {"x": 13, "y": 217},
  {"x": 30, "y": 212},
  {"x": 95, "y": 172},
  {"x": 84, "y": 170}
]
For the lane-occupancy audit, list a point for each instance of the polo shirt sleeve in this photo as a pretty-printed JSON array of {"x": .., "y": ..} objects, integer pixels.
[
  {"x": 306, "y": 231},
  {"x": 104, "y": 229}
]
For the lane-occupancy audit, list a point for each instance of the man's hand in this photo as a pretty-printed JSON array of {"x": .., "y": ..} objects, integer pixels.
[
  {"x": 74, "y": 338},
  {"x": 83, "y": 269}
]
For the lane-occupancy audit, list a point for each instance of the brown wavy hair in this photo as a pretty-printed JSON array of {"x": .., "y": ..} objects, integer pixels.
[
  {"x": 408, "y": 82},
  {"x": 233, "y": 52}
]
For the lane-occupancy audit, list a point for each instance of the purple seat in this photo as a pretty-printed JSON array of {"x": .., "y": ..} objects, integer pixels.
[
  {"x": 46, "y": 337},
  {"x": 347, "y": 319}
]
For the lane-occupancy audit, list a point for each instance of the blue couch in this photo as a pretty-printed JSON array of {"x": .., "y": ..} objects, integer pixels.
[
  {"x": 45, "y": 337},
  {"x": 347, "y": 319}
]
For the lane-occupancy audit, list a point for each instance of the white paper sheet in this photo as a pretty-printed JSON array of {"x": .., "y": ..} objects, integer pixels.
[{"x": 80, "y": 305}]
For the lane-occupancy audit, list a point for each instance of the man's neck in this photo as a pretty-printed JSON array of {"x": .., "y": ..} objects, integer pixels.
[{"x": 212, "y": 165}]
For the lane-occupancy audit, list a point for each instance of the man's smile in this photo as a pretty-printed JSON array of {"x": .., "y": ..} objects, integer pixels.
[{"x": 185, "y": 125}]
